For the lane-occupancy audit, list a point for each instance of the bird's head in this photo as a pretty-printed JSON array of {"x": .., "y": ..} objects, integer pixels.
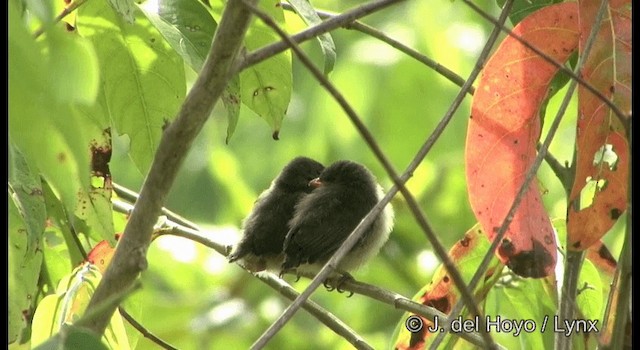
[{"x": 297, "y": 174}]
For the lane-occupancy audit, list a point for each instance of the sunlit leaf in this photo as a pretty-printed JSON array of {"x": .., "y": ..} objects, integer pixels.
[
  {"x": 142, "y": 78},
  {"x": 266, "y": 87},
  {"x": 26, "y": 190},
  {"x": 603, "y": 149},
  {"x": 186, "y": 25},
  {"x": 311, "y": 18},
  {"x": 67, "y": 306},
  {"x": 125, "y": 8},
  {"x": 503, "y": 132},
  {"x": 25, "y": 262}
]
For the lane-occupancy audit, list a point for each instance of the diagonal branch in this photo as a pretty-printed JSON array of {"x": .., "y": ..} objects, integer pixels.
[
  {"x": 371, "y": 31},
  {"x": 312, "y": 32},
  {"x": 333, "y": 262},
  {"x": 130, "y": 255},
  {"x": 396, "y": 300}
]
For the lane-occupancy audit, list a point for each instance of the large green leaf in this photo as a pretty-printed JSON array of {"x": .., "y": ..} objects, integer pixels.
[
  {"x": 25, "y": 261},
  {"x": 26, "y": 189},
  {"x": 142, "y": 78},
  {"x": 44, "y": 118},
  {"x": 266, "y": 87},
  {"x": 189, "y": 28}
]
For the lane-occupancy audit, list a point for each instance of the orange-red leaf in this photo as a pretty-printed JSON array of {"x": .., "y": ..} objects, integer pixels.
[
  {"x": 503, "y": 131},
  {"x": 101, "y": 255},
  {"x": 599, "y": 192}
]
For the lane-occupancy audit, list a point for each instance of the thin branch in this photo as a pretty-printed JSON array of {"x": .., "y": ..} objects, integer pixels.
[
  {"x": 617, "y": 313},
  {"x": 145, "y": 332},
  {"x": 564, "y": 173},
  {"x": 396, "y": 300},
  {"x": 331, "y": 265},
  {"x": 312, "y": 32},
  {"x": 573, "y": 263},
  {"x": 366, "y": 29},
  {"x": 486, "y": 50},
  {"x": 130, "y": 255},
  {"x": 575, "y": 75},
  {"x": 525, "y": 185},
  {"x": 324, "y": 316},
  {"x": 66, "y": 11},
  {"x": 132, "y": 197}
]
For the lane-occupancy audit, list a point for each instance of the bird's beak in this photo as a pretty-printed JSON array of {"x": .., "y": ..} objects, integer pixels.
[{"x": 315, "y": 183}]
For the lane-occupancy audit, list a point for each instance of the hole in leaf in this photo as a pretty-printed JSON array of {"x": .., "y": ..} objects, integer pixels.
[
  {"x": 606, "y": 154},
  {"x": 589, "y": 192}
]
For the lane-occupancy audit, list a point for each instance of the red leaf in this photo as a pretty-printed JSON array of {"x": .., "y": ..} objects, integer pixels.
[
  {"x": 599, "y": 193},
  {"x": 101, "y": 254},
  {"x": 503, "y": 131}
]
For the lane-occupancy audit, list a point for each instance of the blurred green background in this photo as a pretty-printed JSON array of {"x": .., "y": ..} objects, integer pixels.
[{"x": 194, "y": 299}]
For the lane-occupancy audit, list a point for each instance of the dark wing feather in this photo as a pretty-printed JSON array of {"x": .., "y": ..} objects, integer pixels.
[{"x": 322, "y": 222}]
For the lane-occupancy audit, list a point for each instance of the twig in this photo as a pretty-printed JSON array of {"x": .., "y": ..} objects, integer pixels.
[
  {"x": 145, "y": 332},
  {"x": 622, "y": 117},
  {"x": 132, "y": 197},
  {"x": 574, "y": 260},
  {"x": 618, "y": 303},
  {"x": 66, "y": 11},
  {"x": 312, "y": 32},
  {"x": 130, "y": 255},
  {"x": 364, "y": 224},
  {"x": 366, "y": 29},
  {"x": 324, "y": 316},
  {"x": 564, "y": 173},
  {"x": 396, "y": 300},
  {"x": 486, "y": 50}
]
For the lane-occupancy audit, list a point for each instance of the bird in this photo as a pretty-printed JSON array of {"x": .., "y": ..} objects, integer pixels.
[
  {"x": 344, "y": 193},
  {"x": 266, "y": 226}
]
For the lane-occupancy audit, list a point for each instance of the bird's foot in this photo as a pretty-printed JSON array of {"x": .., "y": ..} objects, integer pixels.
[
  {"x": 344, "y": 277},
  {"x": 283, "y": 271}
]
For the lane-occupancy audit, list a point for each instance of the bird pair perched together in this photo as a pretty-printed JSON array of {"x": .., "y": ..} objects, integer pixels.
[{"x": 306, "y": 215}]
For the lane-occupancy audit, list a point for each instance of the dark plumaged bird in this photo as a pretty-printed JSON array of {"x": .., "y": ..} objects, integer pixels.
[
  {"x": 346, "y": 191},
  {"x": 267, "y": 225}
]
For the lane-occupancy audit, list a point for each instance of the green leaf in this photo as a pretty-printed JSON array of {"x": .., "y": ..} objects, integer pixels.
[
  {"x": 25, "y": 262},
  {"x": 186, "y": 25},
  {"x": 310, "y": 17},
  {"x": 590, "y": 298},
  {"x": 528, "y": 300},
  {"x": 74, "y": 338},
  {"x": 26, "y": 189},
  {"x": 189, "y": 28},
  {"x": 266, "y": 87},
  {"x": 56, "y": 213},
  {"x": 522, "y": 8},
  {"x": 73, "y": 77},
  {"x": 231, "y": 100},
  {"x": 125, "y": 8},
  {"x": 142, "y": 78},
  {"x": 67, "y": 306}
]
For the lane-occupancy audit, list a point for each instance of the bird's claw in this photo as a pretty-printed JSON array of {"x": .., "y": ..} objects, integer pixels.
[{"x": 339, "y": 282}]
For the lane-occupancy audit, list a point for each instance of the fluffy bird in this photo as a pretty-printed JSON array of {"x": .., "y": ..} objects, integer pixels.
[
  {"x": 266, "y": 226},
  {"x": 345, "y": 192}
]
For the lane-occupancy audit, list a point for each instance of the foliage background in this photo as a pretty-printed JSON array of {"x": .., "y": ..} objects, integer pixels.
[{"x": 193, "y": 299}]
